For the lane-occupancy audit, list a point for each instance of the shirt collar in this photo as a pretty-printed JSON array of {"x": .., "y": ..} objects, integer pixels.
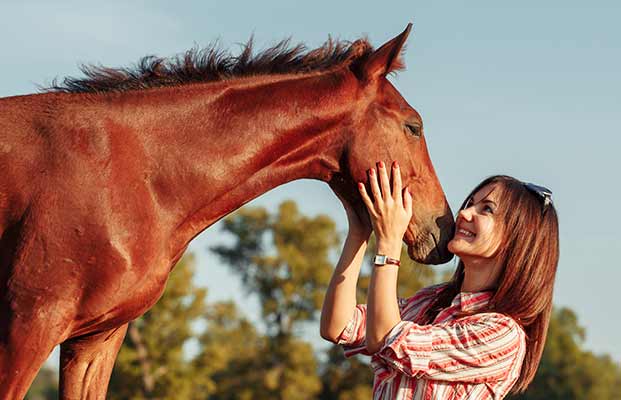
[{"x": 470, "y": 302}]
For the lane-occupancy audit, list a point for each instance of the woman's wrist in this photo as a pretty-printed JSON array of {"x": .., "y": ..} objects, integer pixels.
[{"x": 389, "y": 248}]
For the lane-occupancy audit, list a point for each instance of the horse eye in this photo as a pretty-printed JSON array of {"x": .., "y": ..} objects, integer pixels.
[{"x": 413, "y": 129}]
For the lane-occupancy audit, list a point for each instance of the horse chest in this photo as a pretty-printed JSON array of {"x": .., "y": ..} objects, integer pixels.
[
  {"x": 143, "y": 289},
  {"x": 141, "y": 299},
  {"x": 114, "y": 297}
]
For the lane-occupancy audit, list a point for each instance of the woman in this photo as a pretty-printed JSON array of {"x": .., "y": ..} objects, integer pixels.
[{"x": 479, "y": 335}]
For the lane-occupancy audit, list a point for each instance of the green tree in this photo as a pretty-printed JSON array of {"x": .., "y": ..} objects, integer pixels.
[
  {"x": 567, "y": 371},
  {"x": 151, "y": 361},
  {"x": 229, "y": 347},
  {"x": 291, "y": 280},
  {"x": 345, "y": 378},
  {"x": 45, "y": 385},
  {"x": 284, "y": 260}
]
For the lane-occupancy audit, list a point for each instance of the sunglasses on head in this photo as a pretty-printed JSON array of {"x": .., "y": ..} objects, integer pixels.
[{"x": 542, "y": 192}]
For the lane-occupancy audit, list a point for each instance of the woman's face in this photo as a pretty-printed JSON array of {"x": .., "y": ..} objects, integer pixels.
[{"x": 478, "y": 231}]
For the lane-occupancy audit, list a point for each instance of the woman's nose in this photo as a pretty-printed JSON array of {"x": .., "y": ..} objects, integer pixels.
[{"x": 465, "y": 214}]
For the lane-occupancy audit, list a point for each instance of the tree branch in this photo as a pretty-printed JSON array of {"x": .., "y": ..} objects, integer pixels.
[{"x": 148, "y": 379}]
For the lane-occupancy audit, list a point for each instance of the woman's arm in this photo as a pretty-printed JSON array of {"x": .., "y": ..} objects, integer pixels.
[
  {"x": 340, "y": 301},
  {"x": 479, "y": 348},
  {"x": 382, "y": 307},
  {"x": 390, "y": 211}
]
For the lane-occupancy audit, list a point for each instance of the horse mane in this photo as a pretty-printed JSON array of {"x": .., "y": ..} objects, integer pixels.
[{"x": 214, "y": 64}]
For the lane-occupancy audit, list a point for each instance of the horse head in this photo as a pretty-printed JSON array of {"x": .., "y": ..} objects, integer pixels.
[{"x": 384, "y": 127}]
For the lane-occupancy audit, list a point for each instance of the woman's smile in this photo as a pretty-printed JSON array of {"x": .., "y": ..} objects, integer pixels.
[
  {"x": 478, "y": 232},
  {"x": 465, "y": 233}
]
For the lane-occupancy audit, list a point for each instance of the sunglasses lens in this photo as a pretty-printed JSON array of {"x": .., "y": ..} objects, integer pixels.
[{"x": 543, "y": 192}]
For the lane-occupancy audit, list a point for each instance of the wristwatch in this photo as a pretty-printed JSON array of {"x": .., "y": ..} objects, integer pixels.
[{"x": 381, "y": 259}]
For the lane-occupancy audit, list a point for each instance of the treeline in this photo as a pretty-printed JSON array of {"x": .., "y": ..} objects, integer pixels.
[{"x": 188, "y": 348}]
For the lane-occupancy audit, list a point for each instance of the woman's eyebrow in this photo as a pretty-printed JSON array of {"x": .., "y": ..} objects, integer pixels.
[
  {"x": 489, "y": 201},
  {"x": 471, "y": 201}
]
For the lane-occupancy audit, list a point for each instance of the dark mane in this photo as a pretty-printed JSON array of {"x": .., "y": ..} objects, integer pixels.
[{"x": 213, "y": 64}]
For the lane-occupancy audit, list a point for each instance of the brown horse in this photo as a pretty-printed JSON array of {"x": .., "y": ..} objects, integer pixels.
[{"x": 106, "y": 179}]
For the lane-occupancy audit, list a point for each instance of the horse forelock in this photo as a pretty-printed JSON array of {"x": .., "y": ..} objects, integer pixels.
[{"x": 213, "y": 63}]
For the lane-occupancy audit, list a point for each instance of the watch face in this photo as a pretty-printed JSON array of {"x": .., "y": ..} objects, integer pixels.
[{"x": 380, "y": 259}]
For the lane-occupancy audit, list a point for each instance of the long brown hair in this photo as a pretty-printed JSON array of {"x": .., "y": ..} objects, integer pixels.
[{"x": 529, "y": 251}]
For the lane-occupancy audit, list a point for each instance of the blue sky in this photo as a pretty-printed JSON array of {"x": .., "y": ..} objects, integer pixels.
[{"x": 530, "y": 89}]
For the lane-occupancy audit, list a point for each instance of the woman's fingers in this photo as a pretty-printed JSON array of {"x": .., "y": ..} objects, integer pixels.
[
  {"x": 396, "y": 183},
  {"x": 407, "y": 201},
  {"x": 389, "y": 206},
  {"x": 375, "y": 189},
  {"x": 383, "y": 189},
  {"x": 365, "y": 198},
  {"x": 384, "y": 181}
]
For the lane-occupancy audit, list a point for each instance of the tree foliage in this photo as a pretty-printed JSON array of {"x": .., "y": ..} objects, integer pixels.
[
  {"x": 345, "y": 378},
  {"x": 45, "y": 385},
  {"x": 291, "y": 280},
  {"x": 151, "y": 361},
  {"x": 567, "y": 371}
]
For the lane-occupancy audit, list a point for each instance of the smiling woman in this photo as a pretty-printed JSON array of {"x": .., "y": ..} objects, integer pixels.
[
  {"x": 480, "y": 335},
  {"x": 513, "y": 252},
  {"x": 479, "y": 233}
]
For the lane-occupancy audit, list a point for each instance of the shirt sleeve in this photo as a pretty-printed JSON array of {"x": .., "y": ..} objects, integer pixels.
[
  {"x": 480, "y": 348},
  {"x": 353, "y": 337}
]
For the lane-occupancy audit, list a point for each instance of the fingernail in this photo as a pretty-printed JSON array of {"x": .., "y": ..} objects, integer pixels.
[
  {"x": 395, "y": 164},
  {"x": 360, "y": 185},
  {"x": 372, "y": 171},
  {"x": 381, "y": 164}
]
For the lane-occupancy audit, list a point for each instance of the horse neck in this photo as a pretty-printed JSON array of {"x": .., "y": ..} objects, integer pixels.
[{"x": 216, "y": 146}]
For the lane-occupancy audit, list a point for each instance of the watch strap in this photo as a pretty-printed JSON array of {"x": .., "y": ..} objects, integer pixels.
[{"x": 381, "y": 259}]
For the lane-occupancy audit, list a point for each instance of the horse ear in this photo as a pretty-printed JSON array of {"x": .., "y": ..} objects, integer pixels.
[{"x": 385, "y": 59}]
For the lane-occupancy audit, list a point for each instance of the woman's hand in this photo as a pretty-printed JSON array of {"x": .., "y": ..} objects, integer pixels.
[
  {"x": 390, "y": 209},
  {"x": 359, "y": 227}
]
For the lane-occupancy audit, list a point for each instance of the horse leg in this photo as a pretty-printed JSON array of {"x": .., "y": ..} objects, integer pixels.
[
  {"x": 86, "y": 364},
  {"x": 25, "y": 344}
]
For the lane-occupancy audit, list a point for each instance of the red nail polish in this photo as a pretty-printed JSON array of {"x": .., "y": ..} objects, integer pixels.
[
  {"x": 372, "y": 171},
  {"x": 395, "y": 164},
  {"x": 381, "y": 164}
]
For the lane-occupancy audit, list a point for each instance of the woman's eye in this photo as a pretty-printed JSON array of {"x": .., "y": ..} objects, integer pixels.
[
  {"x": 413, "y": 130},
  {"x": 488, "y": 209}
]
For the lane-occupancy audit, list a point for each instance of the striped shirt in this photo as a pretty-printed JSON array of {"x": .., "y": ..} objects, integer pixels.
[{"x": 458, "y": 356}]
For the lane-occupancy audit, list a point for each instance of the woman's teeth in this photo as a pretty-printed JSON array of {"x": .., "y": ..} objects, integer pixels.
[{"x": 466, "y": 233}]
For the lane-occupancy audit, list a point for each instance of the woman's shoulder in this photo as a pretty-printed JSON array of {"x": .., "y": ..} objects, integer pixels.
[
  {"x": 491, "y": 318},
  {"x": 431, "y": 291},
  {"x": 425, "y": 294}
]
